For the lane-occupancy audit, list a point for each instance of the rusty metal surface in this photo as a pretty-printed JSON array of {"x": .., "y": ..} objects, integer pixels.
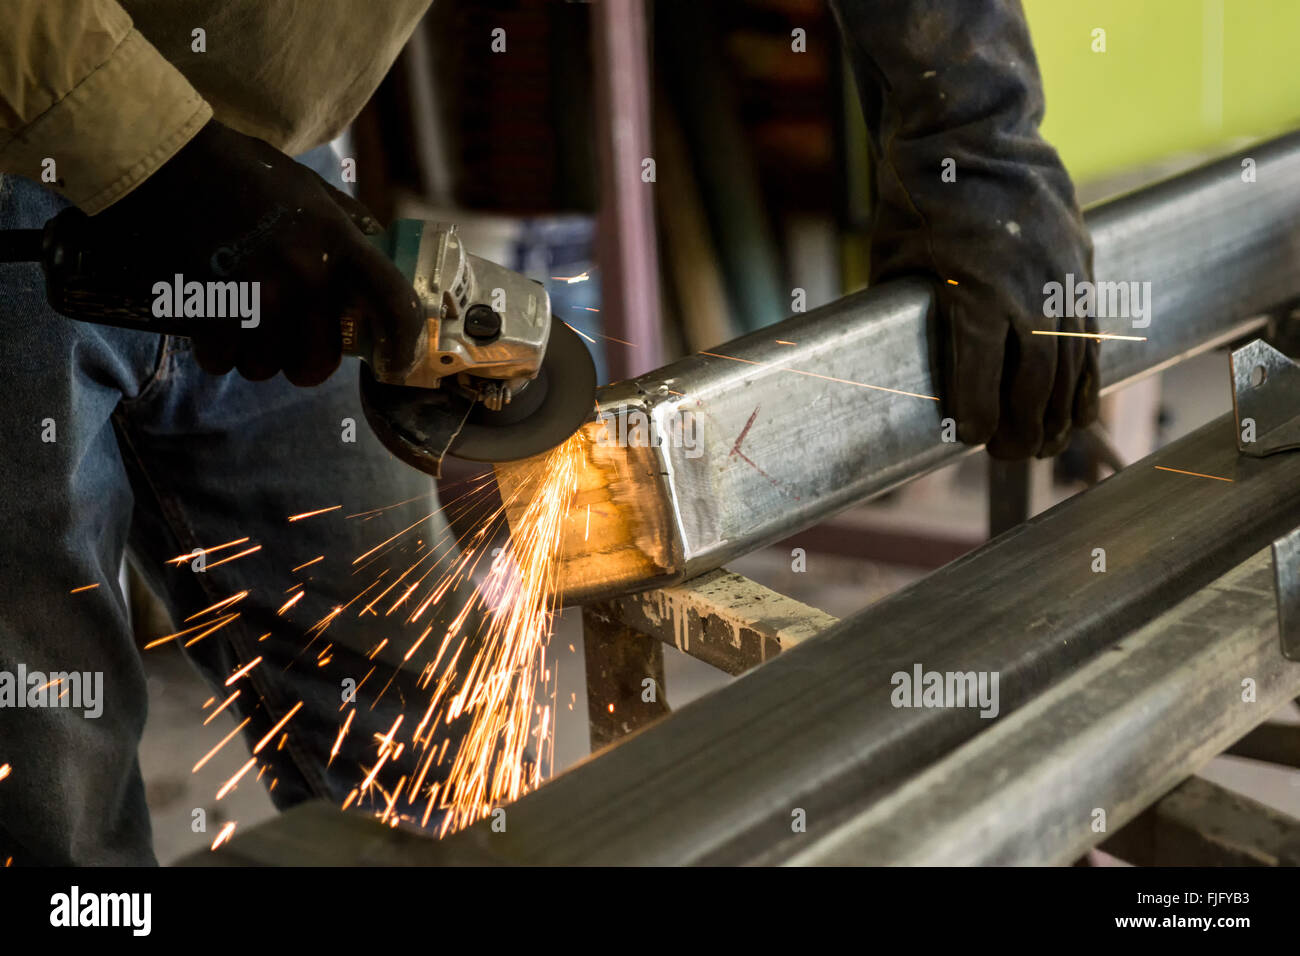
[
  {"x": 620, "y": 523},
  {"x": 721, "y": 618},
  {"x": 619, "y": 662}
]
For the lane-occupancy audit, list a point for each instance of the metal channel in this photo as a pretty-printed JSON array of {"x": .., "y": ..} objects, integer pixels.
[{"x": 1086, "y": 757}]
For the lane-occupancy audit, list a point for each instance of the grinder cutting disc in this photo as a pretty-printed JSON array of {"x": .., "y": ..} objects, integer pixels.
[{"x": 421, "y": 425}]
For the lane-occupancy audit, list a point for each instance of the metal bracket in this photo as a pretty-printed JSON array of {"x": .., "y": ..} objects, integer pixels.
[
  {"x": 1286, "y": 577},
  {"x": 1265, "y": 399}
]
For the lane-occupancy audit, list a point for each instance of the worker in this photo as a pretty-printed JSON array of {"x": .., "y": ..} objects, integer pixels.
[{"x": 171, "y": 125}]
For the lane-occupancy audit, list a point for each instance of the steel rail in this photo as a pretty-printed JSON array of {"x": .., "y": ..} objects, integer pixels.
[{"x": 1088, "y": 755}]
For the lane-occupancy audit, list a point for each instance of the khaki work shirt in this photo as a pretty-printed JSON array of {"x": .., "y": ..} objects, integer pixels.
[{"x": 111, "y": 89}]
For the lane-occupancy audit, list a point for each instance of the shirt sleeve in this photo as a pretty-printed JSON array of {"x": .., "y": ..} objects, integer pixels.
[{"x": 80, "y": 87}]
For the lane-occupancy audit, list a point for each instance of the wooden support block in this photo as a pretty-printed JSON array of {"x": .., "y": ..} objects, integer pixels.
[{"x": 720, "y": 618}]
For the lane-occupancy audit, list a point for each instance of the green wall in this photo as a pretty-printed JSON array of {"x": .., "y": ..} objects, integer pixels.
[{"x": 1178, "y": 76}]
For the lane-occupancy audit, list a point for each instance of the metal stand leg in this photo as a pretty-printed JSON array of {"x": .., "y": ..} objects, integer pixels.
[
  {"x": 1008, "y": 494},
  {"x": 619, "y": 662}
]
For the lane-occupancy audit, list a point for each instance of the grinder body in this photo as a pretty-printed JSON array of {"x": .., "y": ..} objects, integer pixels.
[{"x": 495, "y": 378}]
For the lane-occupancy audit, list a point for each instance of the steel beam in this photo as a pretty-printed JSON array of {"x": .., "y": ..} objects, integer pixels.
[
  {"x": 814, "y": 735},
  {"x": 815, "y": 729},
  {"x": 1201, "y": 824},
  {"x": 1087, "y": 756},
  {"x": 784, "y": 435},
  {"x": 1270, "y": 743}
]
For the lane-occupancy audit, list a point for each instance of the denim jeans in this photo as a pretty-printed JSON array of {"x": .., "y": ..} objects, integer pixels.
[{"x": 152, "y": 455}]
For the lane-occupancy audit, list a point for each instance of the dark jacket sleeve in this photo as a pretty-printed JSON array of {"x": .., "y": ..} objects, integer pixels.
[{"x": 968, "y": 191}]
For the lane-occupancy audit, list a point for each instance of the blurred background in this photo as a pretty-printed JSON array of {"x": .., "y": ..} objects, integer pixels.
[{"x": 763, "y": 188}]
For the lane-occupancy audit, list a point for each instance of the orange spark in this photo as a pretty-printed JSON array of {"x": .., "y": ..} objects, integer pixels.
[
  {"x": 393, "y": 538},
  {"x": 235, "y": 557},
  {"x": 343, "y": 732},
  {"x": 500, "y": 682},
  {"x": 609, "y": 338},
  {"x": 205, "y": 624},
  {"x": 1095, "y": 335},
  {"x": 224, "y": 740},
  {"x": 234, "y": 781},
  {"x": 828, "y": 378},
  {"x": 279, "y": 724},
  {"x": 386, "y": 741},
  {"x": 374, "y": 511},
  {"x": 312, "y": 514},
  {"x": 291, "y": 602},
  {"x": 84, "y": 587},
  {"x": 1196, "y": 474},
  {"x": 418, "y": 642},
  {"x": 243, "y": 670},
  {"x": 224, "y": 835},
  {"x": 220, "y": 604},
  {"x": 583, "y": 334},
  {"x": 216, "y": 626},
  {"x": 305, "y": 564},
  {"x": 224, "y": 704},
  {"x": 182, "y": 558},
  {"x": 209, "y": 625}
]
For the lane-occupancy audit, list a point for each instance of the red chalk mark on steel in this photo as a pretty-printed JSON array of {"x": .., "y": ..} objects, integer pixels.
[{"x": 735, "y": 450}]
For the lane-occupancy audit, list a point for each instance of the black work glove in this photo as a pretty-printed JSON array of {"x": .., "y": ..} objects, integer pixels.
[
  {"x": 957, "y": 79},
  {"x": 230, "y": 207}
]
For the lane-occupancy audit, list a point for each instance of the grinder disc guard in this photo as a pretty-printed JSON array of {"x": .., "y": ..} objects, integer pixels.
[{"x": 421, "y": 425}]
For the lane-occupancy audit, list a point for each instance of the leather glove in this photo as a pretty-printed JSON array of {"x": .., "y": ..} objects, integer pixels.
[
  {"x": 231, "y": 207},
  {"x": 957, "y": 80}
]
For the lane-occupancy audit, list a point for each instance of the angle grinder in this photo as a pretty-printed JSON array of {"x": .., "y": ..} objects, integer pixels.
[{"x": 498, "y": 378}]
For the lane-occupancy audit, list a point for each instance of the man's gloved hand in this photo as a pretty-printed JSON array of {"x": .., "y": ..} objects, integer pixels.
[
  {"x": 957, "y": 80},
  {"x": 231, "y": 207}
]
